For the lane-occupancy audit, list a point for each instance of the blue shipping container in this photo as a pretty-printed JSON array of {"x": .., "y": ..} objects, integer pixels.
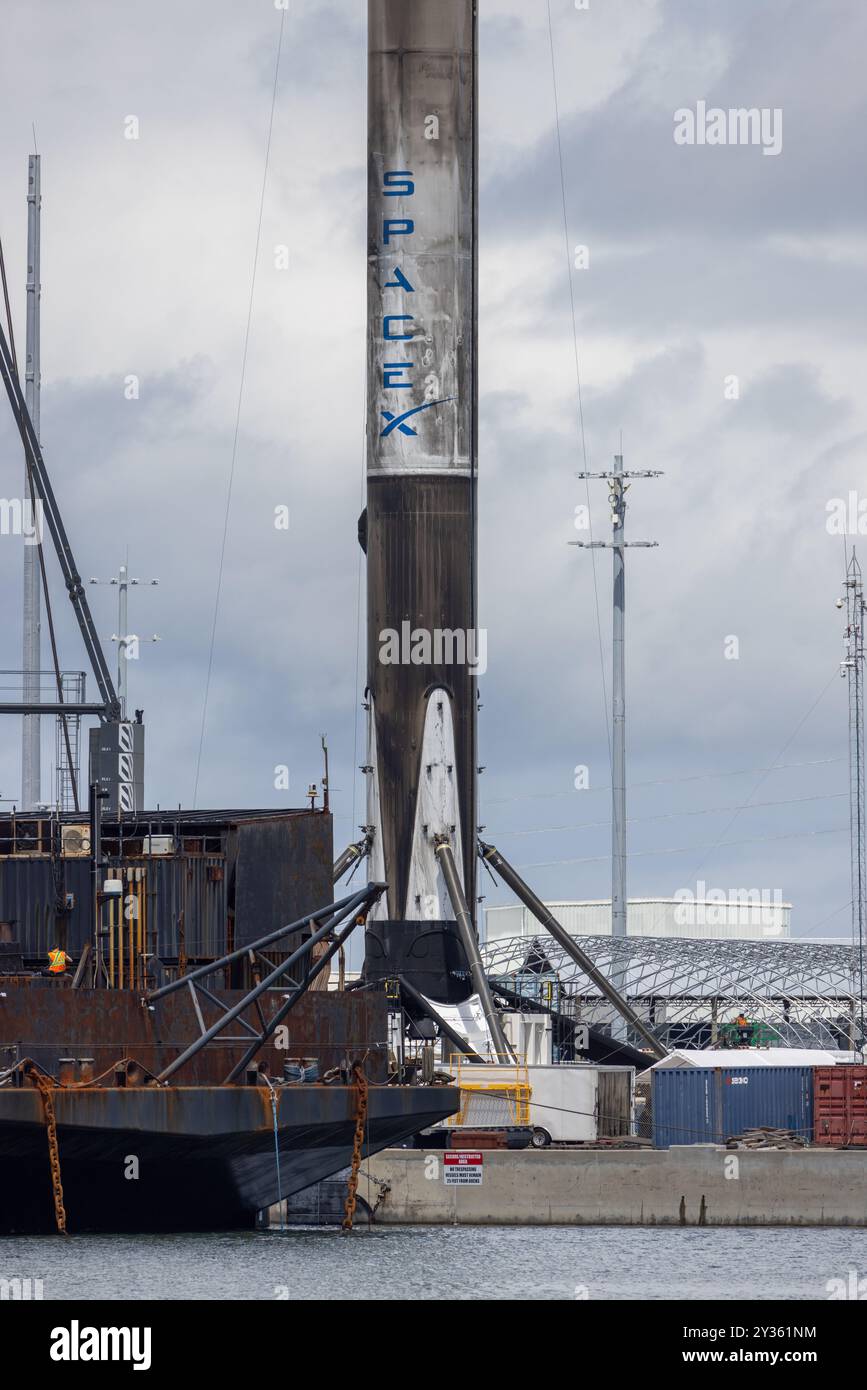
[{"x": 707, "y": 1105}]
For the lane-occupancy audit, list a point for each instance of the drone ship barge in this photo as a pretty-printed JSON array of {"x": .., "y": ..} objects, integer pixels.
[{"x": 187, "y": 1069}]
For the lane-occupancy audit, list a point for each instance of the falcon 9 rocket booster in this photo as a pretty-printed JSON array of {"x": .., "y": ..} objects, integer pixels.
[{"x": 424, "y": 650}]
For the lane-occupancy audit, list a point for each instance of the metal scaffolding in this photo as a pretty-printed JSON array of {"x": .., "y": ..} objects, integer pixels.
[{"x": 67, "y": 742}]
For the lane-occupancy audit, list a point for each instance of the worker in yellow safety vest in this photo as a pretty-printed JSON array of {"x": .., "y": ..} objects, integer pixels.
[{"x": 57, "y": 961}]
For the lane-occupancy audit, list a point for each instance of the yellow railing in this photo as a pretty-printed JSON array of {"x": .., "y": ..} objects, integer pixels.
[{"x": 499, "y": 1096}]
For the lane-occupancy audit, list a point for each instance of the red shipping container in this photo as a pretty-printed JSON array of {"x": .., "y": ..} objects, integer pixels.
[{"x": 840, "y": 1107}]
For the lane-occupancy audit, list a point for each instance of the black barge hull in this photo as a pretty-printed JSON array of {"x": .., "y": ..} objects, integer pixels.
[{"x": 188, "y": 1158}]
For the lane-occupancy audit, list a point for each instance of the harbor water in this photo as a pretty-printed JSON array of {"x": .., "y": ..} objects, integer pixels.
[{"x": 443, "y": 1262}]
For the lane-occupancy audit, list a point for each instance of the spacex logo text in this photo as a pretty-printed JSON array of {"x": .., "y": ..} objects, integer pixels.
[
  {"x": 400, "y": 327},
  {"x": 399, "y": 421},
  {"x": 77, "y": 1343}
]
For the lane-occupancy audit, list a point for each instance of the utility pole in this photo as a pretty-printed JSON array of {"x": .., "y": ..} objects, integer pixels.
[
  {"x": 31, "y": 753},
  {"x": 852, "y": 666},
  {"x": 618, "y": 485},
  {"x": 128, "y": 642}
]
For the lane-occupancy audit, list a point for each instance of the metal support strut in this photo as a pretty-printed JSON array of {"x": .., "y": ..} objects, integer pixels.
[
  {"x": 351, "y": 855},
  {"x": 471, "y": 948},
  {"x": 495, "y": 860},
  {"x": 445, "y": 1028},
  {"x": 271, "y": 1027},
  {"x": 340, "y": 907},
  {"x": 363, "y": 898}
]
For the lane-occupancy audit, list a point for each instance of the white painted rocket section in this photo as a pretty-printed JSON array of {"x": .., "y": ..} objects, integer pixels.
[{"x": 421, "y": 237}]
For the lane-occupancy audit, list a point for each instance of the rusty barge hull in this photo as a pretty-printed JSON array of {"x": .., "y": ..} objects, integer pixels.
[
  {"x": 184, "y": 1158},
  {"x": 200, "y": 1155}
]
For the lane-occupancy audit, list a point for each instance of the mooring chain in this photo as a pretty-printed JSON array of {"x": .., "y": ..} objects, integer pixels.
[
  {"x": 357, "y": 1145},
  {"x": 45, "y": 1088}
]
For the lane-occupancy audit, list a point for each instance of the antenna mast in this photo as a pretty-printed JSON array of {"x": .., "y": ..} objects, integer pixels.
[
  {"x": 852, "y": 666},
  {"x": 31, "y": 753},
  {"x": 618, "y": 486},
  {"x": 127, "y": 642}
]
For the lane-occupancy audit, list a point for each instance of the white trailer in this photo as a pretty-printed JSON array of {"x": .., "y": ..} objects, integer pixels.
[{"x": 562, "y": 1103}]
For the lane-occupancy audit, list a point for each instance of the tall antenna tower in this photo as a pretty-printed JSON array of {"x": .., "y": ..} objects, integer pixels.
[
  {"x": 31, "y": 753},
  {"x": 852, "y": 666},
  {"x": 618, "y": 486}
]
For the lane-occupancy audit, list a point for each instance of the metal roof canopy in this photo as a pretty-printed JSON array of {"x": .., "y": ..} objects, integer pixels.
[{"x": 798, "y": 988}]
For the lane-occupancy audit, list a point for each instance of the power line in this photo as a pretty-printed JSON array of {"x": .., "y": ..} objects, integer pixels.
[
  {"x": 238, "y": 413},
  {"x": 578, "y": 373},
  {"x": 672, "y": 815},
  {"x": 789, "y": 741},
  {"x": 831, "y": 915},
  {"x": 665, "y": 781},
  {"x": 711, "y": 849},
  {"x": 690, "y": 849}
]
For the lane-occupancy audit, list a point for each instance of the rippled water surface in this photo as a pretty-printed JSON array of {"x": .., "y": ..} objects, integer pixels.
[{"x": 440, "y": 1262}]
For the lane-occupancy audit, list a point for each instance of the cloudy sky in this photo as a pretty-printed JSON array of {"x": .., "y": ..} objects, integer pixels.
[{"x": 705, "y": 263}]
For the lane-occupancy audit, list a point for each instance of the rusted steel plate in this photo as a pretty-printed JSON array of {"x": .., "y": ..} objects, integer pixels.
[{"x": 45, "y": 1023}]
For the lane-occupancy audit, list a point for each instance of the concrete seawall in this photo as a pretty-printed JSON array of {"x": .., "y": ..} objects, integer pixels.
[{"x": 700, "y": 1185}]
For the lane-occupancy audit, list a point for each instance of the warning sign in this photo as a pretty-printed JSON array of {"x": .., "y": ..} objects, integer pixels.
[{"x": 462, "y": 1167}]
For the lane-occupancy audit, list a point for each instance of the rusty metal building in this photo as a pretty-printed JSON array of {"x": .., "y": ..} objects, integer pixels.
[{"x": 197, "y": 884}]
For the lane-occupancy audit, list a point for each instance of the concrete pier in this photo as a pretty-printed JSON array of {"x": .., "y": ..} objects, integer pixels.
[{"x": 696, "y": 1185}]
